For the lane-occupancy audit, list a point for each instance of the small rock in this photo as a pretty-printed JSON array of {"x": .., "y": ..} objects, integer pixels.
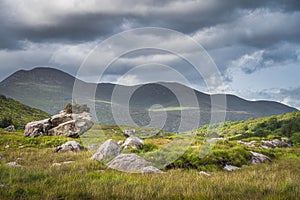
[
  {"x": 13, "y": 164},
  {"x": 204, "y": 173},
  {"x": 107, "y": 150},
  {"x": 230, "y": 168},
  {"x": 69, "y": 146},
  {"x": 131, "y": 163},
  {"x": 268, "y": 144},
  {"x": 258, "y": 158},
  {"x": 2, "y": 186},
  {"x": 120, "y": 142},
  {"x": 250, "y": 144},
  {"x": 280, "y": 143},
  {"x": 62, "y": 163},
  {"x": 133, "y": 142},
  {"x": 7, "y": 146},
  {"x": 10, "y": 128},
  {"x": 128, "y": 133}
]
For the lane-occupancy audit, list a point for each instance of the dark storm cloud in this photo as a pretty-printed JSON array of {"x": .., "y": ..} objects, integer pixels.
[{"x": 50, "y": 21}]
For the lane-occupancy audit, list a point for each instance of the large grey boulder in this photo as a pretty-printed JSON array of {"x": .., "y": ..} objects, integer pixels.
[
  {"x": 132, "y": 163},
  {"x": 69, "y": 146},
  {"x": 37, "y": 128},
  {"x": 107, "y": 150},
  {"x": 258, "y": 158},
  {"x": 133, "y": 142},
  {"x": 65, "y": 124},
  {"x": 268, "y": 144}
]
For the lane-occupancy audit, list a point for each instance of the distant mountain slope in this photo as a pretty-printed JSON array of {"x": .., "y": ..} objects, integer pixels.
[
  {"x": 15, "y": 113},
  {"x": 50, "y": 90}
]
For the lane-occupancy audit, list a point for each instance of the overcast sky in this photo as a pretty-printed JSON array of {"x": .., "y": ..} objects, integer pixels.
[{"x": 255, "y": 44}]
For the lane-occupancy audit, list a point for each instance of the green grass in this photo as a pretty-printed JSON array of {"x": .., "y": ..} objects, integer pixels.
[{"x": 90, "y": 179}]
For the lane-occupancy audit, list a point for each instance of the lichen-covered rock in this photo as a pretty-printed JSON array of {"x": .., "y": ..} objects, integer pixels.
[
  {"x": 133, "y": 142},
  {"x": 132, "y": 163},
  {"x": 69, "y": 146},
  {"x": 258, "y": 158},
  {"x": 37, "y": 128},
  {"x": 107, "y": 150},
  {"x": 65, "y": 124},
  {"x": 10, "y": 128}
]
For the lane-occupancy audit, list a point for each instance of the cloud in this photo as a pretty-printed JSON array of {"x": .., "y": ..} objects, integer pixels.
[{"x": 278, "y": 55}]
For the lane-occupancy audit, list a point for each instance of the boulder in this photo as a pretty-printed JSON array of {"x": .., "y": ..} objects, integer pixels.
[
  {"x": 133, "y": 142},
  {"x": 268, "y": 144},
  {"x": 69, "y": 146},
  {"x": 250, "y": 144},
  {"x": 60, "y": 118},
  {"x": 66, "y": 124},
  {"x": 10, "y": 128},
  {"x": 37, "y": 128},
  {"x": 230, "y": 168},
  {"x": 128, "y": 133},
  {"x": 258, "y": 158},
  {"x": 132, "y": 163},
  {"x": 280, "y": 143},
  {"x": 107, "y": 150}
]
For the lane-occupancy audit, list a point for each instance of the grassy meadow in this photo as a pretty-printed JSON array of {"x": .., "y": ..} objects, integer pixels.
[{"x": 84, "y": 178}]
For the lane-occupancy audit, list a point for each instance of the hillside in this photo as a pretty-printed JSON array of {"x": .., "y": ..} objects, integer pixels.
[
  {"x": 41, "y": 173},
  {"x": 15, "y": 113},
  {"x": 50, "y": 90}
]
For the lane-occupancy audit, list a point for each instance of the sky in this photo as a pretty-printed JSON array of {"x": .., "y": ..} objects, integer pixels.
[{"x": 254, "y": 44}]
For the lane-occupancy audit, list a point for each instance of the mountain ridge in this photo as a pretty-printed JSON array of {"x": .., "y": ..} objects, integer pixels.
[{"x": 51, "y": 89}]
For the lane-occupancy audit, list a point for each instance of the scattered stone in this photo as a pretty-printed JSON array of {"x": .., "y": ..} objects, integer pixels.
[
  {"x": 69, "y": 146},
  {"x": 268, "y": 144},
  {"x": 107, "y": 150},
  {"x": 258, "y": 158},
  {"x": 10, "y": 128},
  {"x": 250, "y": 144},
  {"x": 128, "y": 133},
  {"x": 6, "y": 146},
  {"x": 204, "y": 173},
  {"x": 2, "y": 186},
  {"x": 280, "y": 143},
  {"x": 21, "y": 147},
  {"x": 131, "y": 163},
  {"x": 65, "y": 123},
  {"x": 133, "y": 142},
  {"x": 13, "y": 164},
  {"x": 62, "y": 163},
  {"x": 230, "y": 168}
]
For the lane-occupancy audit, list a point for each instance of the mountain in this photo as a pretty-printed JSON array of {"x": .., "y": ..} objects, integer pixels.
[
  {"x": 15, "y": 113},
  {"x": 51, "y": 89}
]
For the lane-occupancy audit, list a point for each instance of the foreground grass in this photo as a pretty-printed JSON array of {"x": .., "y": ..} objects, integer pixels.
[{"x": 36, "y": 178}]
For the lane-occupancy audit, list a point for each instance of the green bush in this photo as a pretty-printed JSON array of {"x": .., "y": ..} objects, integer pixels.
[{"x": 296, "y": 138}]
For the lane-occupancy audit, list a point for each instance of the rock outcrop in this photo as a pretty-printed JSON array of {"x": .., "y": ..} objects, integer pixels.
[
  {"x": 132, "y": 163},
  {"x": 258, "y": 158},
  {"x": 107, "y": 150},
  {"x": 64, "y": 123},
  {"x": 69, "y": 146},
  {"x": 275, "y": 143}
]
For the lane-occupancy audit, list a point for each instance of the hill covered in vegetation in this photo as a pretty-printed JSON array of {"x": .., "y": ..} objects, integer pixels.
[{"x": 15, "y": 113}]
